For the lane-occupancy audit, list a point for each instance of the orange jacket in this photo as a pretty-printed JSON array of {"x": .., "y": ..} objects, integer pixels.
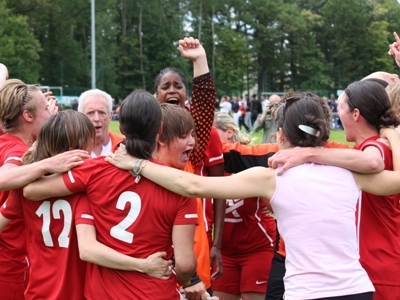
[
  {"x": 116, "y": 139},
  {"x": 201, "y": 247}
]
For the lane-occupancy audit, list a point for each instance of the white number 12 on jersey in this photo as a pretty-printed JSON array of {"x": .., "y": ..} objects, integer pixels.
[{"x": 58, "y": 206}]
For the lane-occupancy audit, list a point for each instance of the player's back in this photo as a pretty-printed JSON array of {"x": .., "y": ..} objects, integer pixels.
[
  {"x": 135, "y": 219},
  {"x": 56, "y": 270}
]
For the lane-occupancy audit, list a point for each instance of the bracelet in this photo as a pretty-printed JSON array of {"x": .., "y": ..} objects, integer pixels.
[
  {"x": 218, "y": 247},
  {"x": 193, "y": 281},
  {"x": 137, "y": 169}
]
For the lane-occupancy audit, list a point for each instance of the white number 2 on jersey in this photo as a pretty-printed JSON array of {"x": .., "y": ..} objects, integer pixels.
[
  {"x": 45, "y": 211},
  {"x": 119, "y": 231}
]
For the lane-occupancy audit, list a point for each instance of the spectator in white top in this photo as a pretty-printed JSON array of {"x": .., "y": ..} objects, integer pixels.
[{"x": 225, "y": 106}]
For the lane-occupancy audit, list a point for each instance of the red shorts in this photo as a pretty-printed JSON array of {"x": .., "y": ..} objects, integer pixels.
[
  {"x": 245, "y": 273},
  {"x": 386, "y": 292}
]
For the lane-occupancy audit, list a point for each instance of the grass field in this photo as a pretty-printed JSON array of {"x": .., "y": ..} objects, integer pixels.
[{"x": 336, "y": 135}]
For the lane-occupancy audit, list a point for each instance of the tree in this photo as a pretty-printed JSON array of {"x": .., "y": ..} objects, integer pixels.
[{"x": 19, "y": 49}]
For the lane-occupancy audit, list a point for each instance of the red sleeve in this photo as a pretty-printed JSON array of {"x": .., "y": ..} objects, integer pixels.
[
  {"x": 187, "y": 212},
  {"x": 14, "y": 155},
  {"x": 12, "y": 208},
  {"x": 213, "y": 154},
  {"x": 83, "y": 214},
  {"x": 77, "y": 178}
]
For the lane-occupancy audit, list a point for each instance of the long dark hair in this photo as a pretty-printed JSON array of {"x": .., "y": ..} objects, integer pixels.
[
  {"x": 371, "y": 99},
  {"x": 140, "y": 121}
]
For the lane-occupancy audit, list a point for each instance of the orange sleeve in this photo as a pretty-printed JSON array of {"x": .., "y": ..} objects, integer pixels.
[
  {"x": 337, "y": 145},
  {"x": 238, "y": 157}
]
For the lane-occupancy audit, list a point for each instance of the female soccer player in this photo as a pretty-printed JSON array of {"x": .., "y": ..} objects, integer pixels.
[
  {"x": 134, "y": 217},
  {"x": 314, "y": 204}
]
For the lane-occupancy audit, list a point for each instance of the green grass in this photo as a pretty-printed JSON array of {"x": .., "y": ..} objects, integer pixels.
[
  {"x": 336, "y": 135},
  {"x": 339, "y": 136},
  {"x": 114, "y": 126}
]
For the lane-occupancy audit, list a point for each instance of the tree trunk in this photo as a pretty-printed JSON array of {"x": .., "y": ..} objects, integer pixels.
[{"x": 141, "y": 46}]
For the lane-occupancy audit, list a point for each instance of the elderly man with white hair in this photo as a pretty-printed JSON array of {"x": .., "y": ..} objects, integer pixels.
[{"x": 97, "y": 105}]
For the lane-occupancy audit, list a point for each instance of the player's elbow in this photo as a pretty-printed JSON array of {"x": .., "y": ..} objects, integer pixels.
[
  {"x": 85, "y": 253},
  {"x": 186, "y": 267},
  {"x": 29, "y": 193},
  {"x": 375, "y": 165},
  {"x": 193, "y": 189}
]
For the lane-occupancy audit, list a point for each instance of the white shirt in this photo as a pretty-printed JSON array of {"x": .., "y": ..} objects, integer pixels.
[
  {"x": 225, "y": 107},
  {"x": 315, "y": 208},
  {"x": 105, "y": 150}
]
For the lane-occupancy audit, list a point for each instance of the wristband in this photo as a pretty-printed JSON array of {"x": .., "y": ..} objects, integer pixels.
[
  {"x": 137, "y": 169},
  {"x": 193, "y": 281},
  {"x": 218, "y": 247}
]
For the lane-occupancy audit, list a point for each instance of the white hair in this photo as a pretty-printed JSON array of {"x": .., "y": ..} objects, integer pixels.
[{"x": 94, "y": 93}]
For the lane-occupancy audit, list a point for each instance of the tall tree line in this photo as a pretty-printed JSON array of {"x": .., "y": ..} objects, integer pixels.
[{"x": 316, "y": 45}]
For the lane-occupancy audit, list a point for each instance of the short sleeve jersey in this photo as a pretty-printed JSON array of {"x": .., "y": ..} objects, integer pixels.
[
  {"x": 56, "y": 270},
  {"x": 212, "y": 156},
  {"x": 379, "y": 231},
  {"x": 13, "y": 258},
  {"x": 135, "y": 219},
  {"x": 246, "y": 228}
]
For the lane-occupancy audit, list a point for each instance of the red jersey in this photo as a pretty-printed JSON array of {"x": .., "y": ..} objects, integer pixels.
[
  {"x": 13, "y": 257},
  {"x": 213, "y": 156},
  {"x": 246, "y": 228},
  {"x": 56, "y": 271},
  {"x": 135, "y": 219},
  {"x": 379, "y": 228}
]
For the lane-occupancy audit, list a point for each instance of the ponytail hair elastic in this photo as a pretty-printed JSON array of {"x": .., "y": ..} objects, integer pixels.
[{"x": 309, "y": 130}]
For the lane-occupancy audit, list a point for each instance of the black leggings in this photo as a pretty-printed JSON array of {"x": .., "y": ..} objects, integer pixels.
[{"x": 275, "y": 287}]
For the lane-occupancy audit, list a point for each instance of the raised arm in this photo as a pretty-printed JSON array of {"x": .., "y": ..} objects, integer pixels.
[
  {"x": 191, "y": 49},
  {"x": 394, "y": 49},
  {"x": 13, "y": 176},
  {"x": 92, "y": 251},
  {"x": 202, "y": 104},
  {"x": 367, "y": 161}
]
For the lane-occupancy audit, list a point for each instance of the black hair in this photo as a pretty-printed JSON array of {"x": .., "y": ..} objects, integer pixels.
[
  {"x": 169, "y": 70},
  {"x": 377, "y": 80},
  {"x": 371, "y": 99},
  {"x": 303, "y": 109},
  {"x": 140, "y": 120}
]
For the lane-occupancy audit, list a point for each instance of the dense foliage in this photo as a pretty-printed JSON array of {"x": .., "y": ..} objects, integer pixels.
[{"x": 317, "y": 45}]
